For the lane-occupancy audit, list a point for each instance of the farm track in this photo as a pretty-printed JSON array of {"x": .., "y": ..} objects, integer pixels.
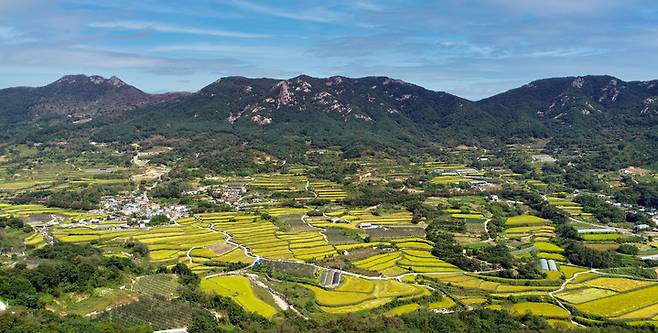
[
  {"x": 486, "y": 230},
  {"x": 562, "y": 287},
  {"x": 308, "y": 185}
]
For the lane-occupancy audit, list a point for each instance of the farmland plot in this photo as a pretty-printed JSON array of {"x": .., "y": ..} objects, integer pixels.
[
  {"x": 241, "y": 290},
  {"x": 357, "y": 294}
]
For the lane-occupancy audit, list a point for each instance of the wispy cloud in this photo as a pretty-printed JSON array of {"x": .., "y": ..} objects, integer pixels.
[
  {"x": 223, "y": 48},
  {"x": 559, "y": 7},
  {"x": 49, "y": 56},
  {"x": 313, "y": 14},
  {"x": 10, "y": 35},
  {"x": 168, "y": 28}
]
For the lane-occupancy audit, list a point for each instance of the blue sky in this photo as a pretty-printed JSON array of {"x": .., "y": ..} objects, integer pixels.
[{"x": 470, "y": 48}]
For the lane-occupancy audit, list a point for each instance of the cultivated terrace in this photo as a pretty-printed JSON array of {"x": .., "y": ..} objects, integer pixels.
[{"x": 115, "y": 237}]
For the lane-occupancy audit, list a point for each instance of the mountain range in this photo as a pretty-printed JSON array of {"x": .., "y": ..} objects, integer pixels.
[{"x": 351, "y": 113}]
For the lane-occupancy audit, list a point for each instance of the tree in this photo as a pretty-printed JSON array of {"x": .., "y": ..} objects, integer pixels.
[
  {"x": 628, "y": 249},
  {"x": 159, "y": 220},
  {"x": 204, "y": 323}
]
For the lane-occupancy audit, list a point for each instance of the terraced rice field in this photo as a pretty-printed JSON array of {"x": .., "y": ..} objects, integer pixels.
[
  {"x": 616, "y": 284},
  {"x": 357, "y": 294},
  {"x": 445, "y": 303},
  {"x": 35, "y": 240},
  {"x": 449, "y": 180},
  {"x": 279, "y": 182},
  {"x": 540, "y": 309},
  {"x": 351, "y": 219},
  {"x": 264, "y": 239},
  {"x": 240, "y": 289},
  {"x": 166, "y": 244},
  {"x": 547, "y": 247},
  {"x": 537, "y": 231},
  {"x": 570, "y": 271},
  {"x": 526, "y": 220},
  {"x": 623, "y": 303},
  {"x": 569, "y": 207},
  {"x": 501, "y": 288},
  {"x": 467, "y": 215},
  {"x": 27, "y": 210},
  {"x": 402, "y": 309},
  {"x": 412, "y": 243},
  {"x": 601, "y": 237},
  {"x": 551, "y": 255},
  {"x": 327, "y": 190},
  {"x": 405, "y": 261},
  {"x": 582, "y": 295}
]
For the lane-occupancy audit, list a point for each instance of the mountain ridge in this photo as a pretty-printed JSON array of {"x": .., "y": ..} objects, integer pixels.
[{"x": 357, "y": 114}]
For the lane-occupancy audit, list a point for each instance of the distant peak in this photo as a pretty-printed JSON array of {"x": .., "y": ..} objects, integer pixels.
[
  {"x": 117, "y": 82},
  {"x": 94, "y": 79}
]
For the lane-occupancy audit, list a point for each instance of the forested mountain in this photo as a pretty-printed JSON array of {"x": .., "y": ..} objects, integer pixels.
[
  {"x": 75, "y": 97},
  {"x": 356, "y": 115}
]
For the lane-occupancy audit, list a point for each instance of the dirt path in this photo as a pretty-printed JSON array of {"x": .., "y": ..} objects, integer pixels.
[
  {"x": 486, "y": 229},
  {"x": 279, "y": 300},
  {"x": 562, "y": 287},
  {"x": 307, "y": 188}
]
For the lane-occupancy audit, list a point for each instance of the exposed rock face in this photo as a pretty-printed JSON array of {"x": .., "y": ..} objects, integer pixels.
[{"x": 363, "y": 100}]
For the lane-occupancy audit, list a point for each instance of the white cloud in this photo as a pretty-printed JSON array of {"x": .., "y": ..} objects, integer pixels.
[{"x": 162, "y": 27}]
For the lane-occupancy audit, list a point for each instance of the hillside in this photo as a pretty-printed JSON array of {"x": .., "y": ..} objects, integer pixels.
[
  {"x": 76, "y": 97},
  {"x": 563, "y": 97},
  {"x": 357, "y": 115}
]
